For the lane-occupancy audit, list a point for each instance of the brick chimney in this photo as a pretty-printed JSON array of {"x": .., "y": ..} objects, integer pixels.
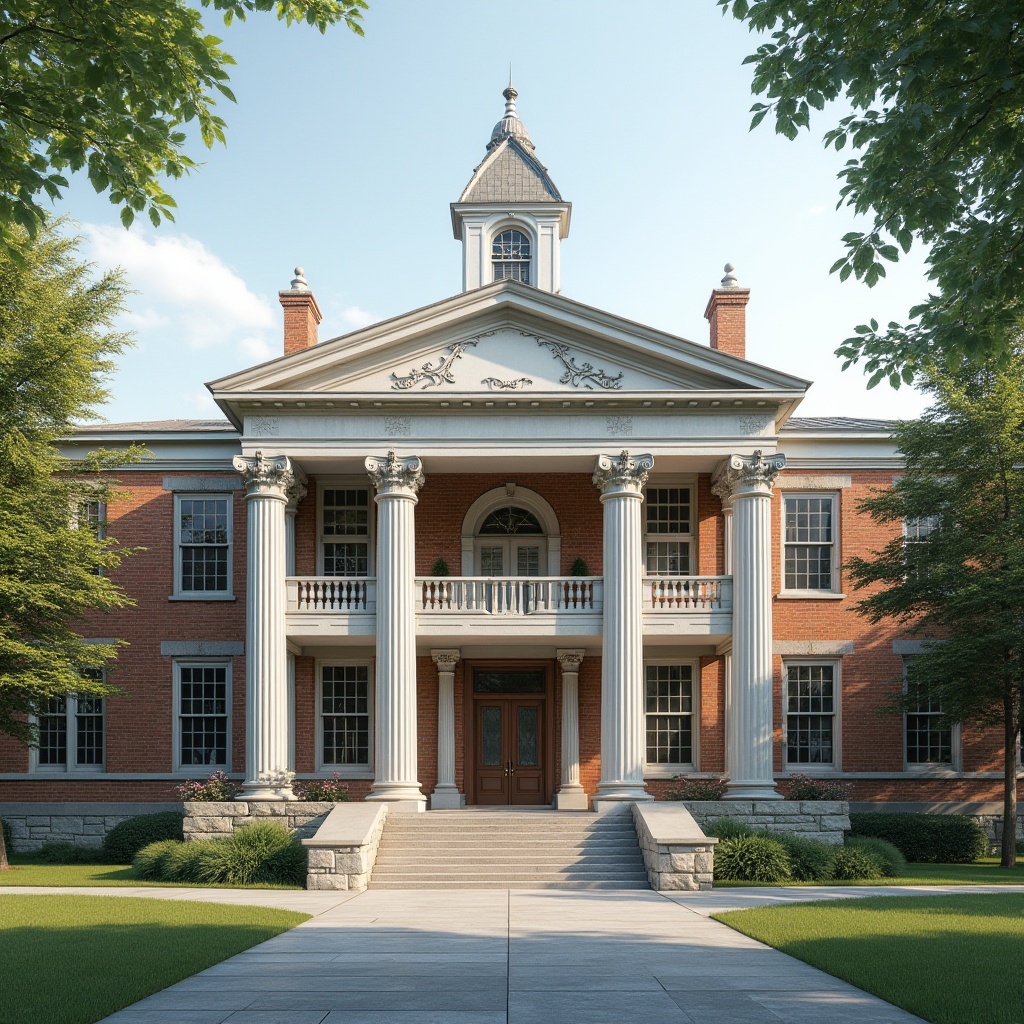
[
  {"x": 727, "y": 314},
  {"x": 302, "y": 315}
]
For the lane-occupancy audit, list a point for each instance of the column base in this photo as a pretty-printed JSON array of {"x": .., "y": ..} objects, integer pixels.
[
  {"x": 619, "y": 797},
  {"x": 752, "y": 789},
  {"x": 571, "y": 798},
  {"x": 446, "y": 798},
  {"x": 401, "y": 797},
  {"x": 261, "y": 791}
]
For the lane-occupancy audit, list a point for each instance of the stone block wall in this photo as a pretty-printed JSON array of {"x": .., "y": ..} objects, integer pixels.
[
  {"x": 345, "y": 866},
  {"x": 823, "y": 820},
  {"x": 81, "y": 824},
  {"x": 677, "y": 854},
  {"x": 212, "y": 820}
]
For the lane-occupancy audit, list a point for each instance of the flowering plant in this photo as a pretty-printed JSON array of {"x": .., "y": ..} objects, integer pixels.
[
  {"x": 322, "y": 790},
  {"x": 803, "y": 787},
  {"x": 218, "y": 787},
  {"x": 697, "y": 789}
]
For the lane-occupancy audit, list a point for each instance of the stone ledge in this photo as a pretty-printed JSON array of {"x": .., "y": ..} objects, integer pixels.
[
  {"x": 343, "y": 850},
  {"x": 677, "y": 854}
]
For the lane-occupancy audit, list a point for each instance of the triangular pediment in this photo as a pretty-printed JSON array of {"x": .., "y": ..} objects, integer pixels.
[
  {"x": 505, "y": 338},
  {"x": 510, "y": 174}
]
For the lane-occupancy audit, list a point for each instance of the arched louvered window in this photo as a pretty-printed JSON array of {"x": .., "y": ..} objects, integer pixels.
[
  {"x": 510, "y": 256},
  {"x": 511, "y": 520}
]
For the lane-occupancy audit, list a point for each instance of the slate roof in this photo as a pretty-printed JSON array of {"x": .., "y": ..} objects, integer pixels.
[
  {"x": 810, "y": 424},
  {"x": 158, "y": 427},
  {"x": 510, "y": 173}
]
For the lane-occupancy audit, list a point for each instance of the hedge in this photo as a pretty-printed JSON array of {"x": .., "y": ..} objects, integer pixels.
[
  {"x": 930, "y": 838},
  {"x": 126, "y": 838}
]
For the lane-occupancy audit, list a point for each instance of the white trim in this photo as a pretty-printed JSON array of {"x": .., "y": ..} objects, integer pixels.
[
  {"x": 836, "y": 764},
  {"x": 351, "y": 483},
  {"x": 177, "y": 665},
  {"x": 345, "y": 771},
  {"x": 498, "y": 497},
  {"x": 177, "y": 594},
  {"x": 669, "y": 771},
  {"x": 835, "y": 591}
]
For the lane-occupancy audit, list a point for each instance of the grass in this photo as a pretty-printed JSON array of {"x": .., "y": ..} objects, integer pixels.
[
  {"x": 65, "y": 958},
  {"x": 949, "y": 959},
  {"x": 25, "y": 872},
  {"x": 985, "y": 872}
]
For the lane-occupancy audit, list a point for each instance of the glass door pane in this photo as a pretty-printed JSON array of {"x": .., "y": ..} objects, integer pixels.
[
  {"x": 527, "y": 739},
  {"x": 527, "y": 560},
  {"x": 492, "y": 560},
  {"x": 490, "y": 736}
]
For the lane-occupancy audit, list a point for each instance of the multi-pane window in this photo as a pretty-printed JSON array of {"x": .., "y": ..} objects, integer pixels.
[
  {"x": 809, "y": 542},
  {"x": 71, "y": 732},
  {"x": 810, "y": 714},
  {"x": 668, "y": 533},
  {"x": 204, "y": 545},
  {"x": 668, "y": 706},
  {"x": 203, "y": 714},
  {"x": 915, "y": 541},
  {"x": 928, "y": 739},
  {"x": 345, "y": 714},
  {"x": 346, "y": 531},
  {"x": 91, "y": 515},
  {"x": 510, "y": 256}
]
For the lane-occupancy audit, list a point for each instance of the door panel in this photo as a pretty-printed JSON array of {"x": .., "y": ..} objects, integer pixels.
[
  {"x": 509, "y": 766},
  {"x": 527, "y": 723},
  {"x": 491, "y": 768}
]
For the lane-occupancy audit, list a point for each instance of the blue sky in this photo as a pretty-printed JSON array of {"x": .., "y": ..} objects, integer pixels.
[{"x": 344, "y": 153}]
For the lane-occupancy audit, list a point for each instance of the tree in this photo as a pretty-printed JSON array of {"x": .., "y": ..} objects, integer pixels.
[
  {"x": 960, "y": 582},
  {"x": 57, "y": 338},
  {"x": 936, "y": 90},
  {"x": 108, "y": 87}
]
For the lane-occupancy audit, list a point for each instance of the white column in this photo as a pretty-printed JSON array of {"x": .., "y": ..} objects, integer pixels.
[
  {"x": 266, "y": 656},
  {"x": 446, "y": 795},
  {"x": 398, "y": 482},
  {"x": 746, "y": 482},
  {"x": 295, "y": 493},
  {"x": 570, "y": 796},
  {"x": 621, "y": 482}
]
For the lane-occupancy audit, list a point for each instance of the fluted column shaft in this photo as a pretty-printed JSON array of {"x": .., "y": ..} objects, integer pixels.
[
  {"x": 746, "y": 482},
  {"x": 570, "y": 796},
  {"x": 446, "y": 795},
  {"x": 398, "y": 482},
  {"x": 267, "y": 776},
  {"x": 621, "y": 482}
]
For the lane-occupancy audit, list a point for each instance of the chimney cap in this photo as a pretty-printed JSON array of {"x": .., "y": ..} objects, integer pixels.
[
  {"x": 299, "y": 282},
  {"x": 730, "y": 280}
]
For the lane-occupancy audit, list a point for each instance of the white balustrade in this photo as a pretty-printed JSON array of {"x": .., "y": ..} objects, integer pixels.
[
  {"x": 331, "y": 594},
  {"x": 687, "y": 593},
  {"x": 509, "y": 595}
]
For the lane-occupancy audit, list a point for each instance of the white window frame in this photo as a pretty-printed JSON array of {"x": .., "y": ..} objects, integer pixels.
[
  {"x": 690, "y": 483},
  {"x": 523, "y": 230},
  {"x": 955, "y": 763},
  {"x": 836, "y": 764},
  {"x": 71, "y": 765},
  {"x": 668, "y": 771},
  {"x": 176, "y": 716},
  {"x": 835, "y": 589},
  {"x": 346, "y": 771},
  {"x": 348, "y": 483},
  {"x": 177, "y": 593}
]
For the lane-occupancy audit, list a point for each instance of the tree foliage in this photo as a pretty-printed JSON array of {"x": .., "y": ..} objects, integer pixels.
[
  {"x": 57, "y": 338},
  {"x": 936, "y": 88},
  {"x": 962, "y": 583},
  {"x": 110, "y": 87}
]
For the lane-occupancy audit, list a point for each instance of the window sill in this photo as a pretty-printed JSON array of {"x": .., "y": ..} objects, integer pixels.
[
  {"x": 811, "y": 770},
  {"x": 201, "y": 597},
  {"x": 329, "y": 771},
  {"x": 809, "y": 595},
  {"x": 658, "y": 771},
  {"x": 68, "y": 773}
]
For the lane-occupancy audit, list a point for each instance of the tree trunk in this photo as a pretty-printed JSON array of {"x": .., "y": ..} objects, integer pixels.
[
  {"x": 1009, "y": 847},
  {"x": 4, "y": 864}
]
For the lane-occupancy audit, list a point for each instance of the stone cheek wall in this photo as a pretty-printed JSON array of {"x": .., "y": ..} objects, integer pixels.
[
  {"x": 33, "y": 825},
  {"x": 687, "y": 865},
  {"x": 823, "y": 820},
  {"x": 214, "y": 820},
  {"x": 345, "y": 867}
]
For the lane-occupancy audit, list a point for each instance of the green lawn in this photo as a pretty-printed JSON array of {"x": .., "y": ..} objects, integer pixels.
[
  {"x": 25, "y": 872},
  {"x": 985, "y": 872},
  {"x": 949, "y": 959},
  {"x": 64, "y": 959}
]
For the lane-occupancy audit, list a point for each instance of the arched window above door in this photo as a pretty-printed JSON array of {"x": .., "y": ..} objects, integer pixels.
[
  {"x": 522, "y": 524},
  {"x": 511, "y": 520}
]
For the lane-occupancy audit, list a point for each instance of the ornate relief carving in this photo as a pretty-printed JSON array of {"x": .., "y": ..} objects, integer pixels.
[
  {"x": 619, "y": 426},
  {"x": 754, "y": 474},
  {"x": 754, "y": 424},
  {"x": 295, "y": 493},
  {"x": 264, "y": 426},
  {"x": 259, "y": 472},
  {"x": 577, "y": 375},
  {"x": 446, "y": 660},
  {"x": 432, "y": 376},
  {"x": 570, "y": 660},
  {"x": 506, "y": 385},
  {"x": 398, "y": 426},
  {"x": 393, "y": 474},
  {"x": 612, "y": 473}
]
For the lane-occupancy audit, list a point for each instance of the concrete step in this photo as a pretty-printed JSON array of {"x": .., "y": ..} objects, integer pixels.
[
  {"x": 428, "y": 885},
  {"x": 518, "y": 876},
  {"x": 510, "y": 863}
]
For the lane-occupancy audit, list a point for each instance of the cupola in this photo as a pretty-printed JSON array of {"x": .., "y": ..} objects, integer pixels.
[{"x": 510, "y": 218}]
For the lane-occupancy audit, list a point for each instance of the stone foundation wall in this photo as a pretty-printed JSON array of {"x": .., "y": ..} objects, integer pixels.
[
  {"x": 677, "y": 854},
  {"x": 214, "y": 820},
  {"x": 81, "y": 824},
  {"x": 342, "y": 858},
  {"x": 823, "y": 820}
]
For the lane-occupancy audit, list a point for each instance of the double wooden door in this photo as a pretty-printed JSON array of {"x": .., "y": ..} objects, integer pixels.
[{"x": 510, "y": 750}]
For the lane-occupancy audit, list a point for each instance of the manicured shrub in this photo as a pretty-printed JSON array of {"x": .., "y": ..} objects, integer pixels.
[
  {"x": 809, "y": 860},
  {"x": 755, "y": 858},
  {"x": 893, "y": 862},
  {"x": 126, "y": 838},
  {"x": 217, "y": 788},
  {"x": 579, "y": 567},
  {"x": 440, "y": 568},
  {"x": 803, "y": 787},
  {"x": 151, "y": 861},
  {"x": 696, "y": 789},
  {"x": 68, "y": 853},
  {"x": 850, "y": 863},
  {"x": 934, "y": 838},
  {"x": 322, "y": 790},
  {"x": 727, "y": 828}
]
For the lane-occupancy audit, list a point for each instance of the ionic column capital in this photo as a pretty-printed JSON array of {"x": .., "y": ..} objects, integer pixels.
[
  {"x": 394, "y": 475},
  {"x": 265, "y": 477},
  {"x": 570, "y": 660},
  {"x": 622, "y": 474},
  {"x": 446, "y": 660},
  {"x": 743, "y": 476},
  {"x": 295, "y": 493}
]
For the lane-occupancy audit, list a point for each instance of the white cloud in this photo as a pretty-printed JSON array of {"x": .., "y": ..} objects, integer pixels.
[
  {"x": 182, "y": 286},
  {"x": 356, "y": 317},
  {"x": 256, "y": 350},
  {"x": 201, "y": 402}
]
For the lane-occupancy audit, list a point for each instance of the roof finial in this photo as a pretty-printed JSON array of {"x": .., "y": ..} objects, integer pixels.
[
  {"x": 299, "y": 282},
  {"x": 730, "y": 280},
  {"x": 510, "y": 95}
]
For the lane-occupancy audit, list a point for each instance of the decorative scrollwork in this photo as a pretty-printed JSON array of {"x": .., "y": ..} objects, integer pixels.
[
  {"x": 623, "y": 473},
  {"x": 506, "y": 385},
  {"x": 432, "y": 376},
  {"x": 578, "y": 375},
  {"x": 262, "y": 474},
  {"x": 395, "y": 475}
]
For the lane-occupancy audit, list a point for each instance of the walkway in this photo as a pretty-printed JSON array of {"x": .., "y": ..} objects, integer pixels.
[{"x": 512, "y": 957}]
